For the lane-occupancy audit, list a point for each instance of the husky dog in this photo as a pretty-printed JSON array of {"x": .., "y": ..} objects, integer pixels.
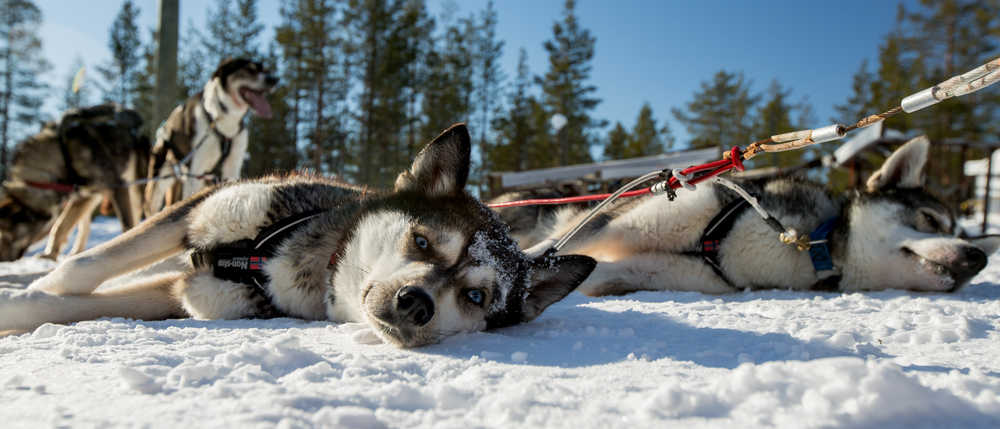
[
  {"x": 59, "y": 176},
  {"x": 204, "y": 138},
  {"x": 417, "y": 264},
  {"x": 893, "y": 235}
]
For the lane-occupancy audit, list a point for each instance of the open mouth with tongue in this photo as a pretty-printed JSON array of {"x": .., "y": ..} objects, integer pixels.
[{"x": 257, "y": 101}]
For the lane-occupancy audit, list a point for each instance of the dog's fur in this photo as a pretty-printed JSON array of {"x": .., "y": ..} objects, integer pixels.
[
  {"x": 892, "y": 235},
  {"x": 418, "y": 264},
  {"x": 98, "y": 150},
  {"x": 202, "y": 124}
]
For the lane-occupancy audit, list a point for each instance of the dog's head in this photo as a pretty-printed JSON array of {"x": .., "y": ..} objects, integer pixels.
[
  {"x": 429, "y": 260},
  {"x": 20, "y": 226},
  {"x": 247, "y": 83},
  {"x": 901, "y": 237}
]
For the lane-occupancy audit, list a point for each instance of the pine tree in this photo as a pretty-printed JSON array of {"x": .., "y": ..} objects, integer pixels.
[
  {"x": 721, "y": 113},
  {"x": 385, "y": 39},
  {"x": 617, "y": 143},
  {"x": 490, "y": 77},
  {"x": 233, "y": 30},
  {"x": 125, "y": 44},
  {"x": 21, "y": 63},
  {"x": 193, "y": 66},
  {"x": 565, "y": 90},
  {"x": 895, "y": 78},
  {"x": 513, "y": 129},
  {"x": 775, "y": 117},
  {"x": 273, "y": 147},
  {"x": 859, "y": 104},
  {"x": 449, "y": 85},
  {"x": 308, "y": 39},
  {"x": 646, "y": 137},
  {"x": 949, "y": 37}
]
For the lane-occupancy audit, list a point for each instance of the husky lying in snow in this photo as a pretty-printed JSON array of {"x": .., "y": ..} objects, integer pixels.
[
  {"x": 417, "y": 264},
  {"x": 892, "y": 235},
  {"x": 205, "y": 135}
]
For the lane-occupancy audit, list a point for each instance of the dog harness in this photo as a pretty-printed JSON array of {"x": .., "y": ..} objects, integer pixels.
[
  {"x": 243, "y": 261},
  {"x": 819, "y": 251},
  {"x": 226, "y": 143}
]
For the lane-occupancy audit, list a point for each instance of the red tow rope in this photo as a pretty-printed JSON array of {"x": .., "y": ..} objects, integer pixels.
[
  {"x": 58, "y": 187},
  {"x": 714, "y": 168}
]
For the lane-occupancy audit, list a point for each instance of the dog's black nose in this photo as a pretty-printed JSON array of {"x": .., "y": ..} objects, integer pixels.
[
  {"x": 973, "y": 261},
  {"x": 271, "y": 80},
  {"x": 414, "y": 305}
]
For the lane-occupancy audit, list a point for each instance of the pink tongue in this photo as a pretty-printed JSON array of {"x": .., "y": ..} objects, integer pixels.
[{"x": 257, "y": 102}]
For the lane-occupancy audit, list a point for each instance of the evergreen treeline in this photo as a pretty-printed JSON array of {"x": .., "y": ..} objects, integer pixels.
[{"x": 365, "y": 82}]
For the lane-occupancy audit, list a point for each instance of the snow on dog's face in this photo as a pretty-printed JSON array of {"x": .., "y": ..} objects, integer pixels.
[
  {"x": 437, "y": 262},
  {"x": 901, "y": 237},
  {"x": 247, "y": 83}
]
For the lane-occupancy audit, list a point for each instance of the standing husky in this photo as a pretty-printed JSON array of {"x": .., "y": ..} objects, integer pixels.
[
  {"x": 205, "y": 137},
  {"x": 892, "y": 235},
  {"x": 59, "y": 176},
  {"x": 417, "y": 264}
]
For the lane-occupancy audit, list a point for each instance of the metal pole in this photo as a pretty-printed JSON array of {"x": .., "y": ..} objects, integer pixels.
[
  {"x": 986, "y": 194},
  {"x": 166, "y": 61}
]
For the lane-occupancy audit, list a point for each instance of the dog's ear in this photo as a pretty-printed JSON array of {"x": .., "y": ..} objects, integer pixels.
[
  {"x": 442, "y": 167},
  {"x": 904, "y": 168},
  {"x": 227, "y": 67},
  {"x": 552, "y": 278}
]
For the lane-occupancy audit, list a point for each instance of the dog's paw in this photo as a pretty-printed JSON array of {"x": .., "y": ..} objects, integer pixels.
[
  {"x": 48, "y": 283},
  {"x": 69, "y": 278}
]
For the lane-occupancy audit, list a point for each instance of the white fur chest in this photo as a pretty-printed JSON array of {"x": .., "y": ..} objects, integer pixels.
[{"x": 300, "y": 300}]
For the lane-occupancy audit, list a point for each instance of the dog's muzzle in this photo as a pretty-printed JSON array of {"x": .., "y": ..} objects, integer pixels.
[{"x": 414, "y": 306}]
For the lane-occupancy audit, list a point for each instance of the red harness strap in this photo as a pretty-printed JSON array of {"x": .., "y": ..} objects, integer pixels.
[
  {"x": 58, "y": 187},
  {"x": 708, "y": 171}
]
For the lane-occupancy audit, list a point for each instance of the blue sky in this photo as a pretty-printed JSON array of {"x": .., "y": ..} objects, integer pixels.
[{"x": 647, "y": 51}]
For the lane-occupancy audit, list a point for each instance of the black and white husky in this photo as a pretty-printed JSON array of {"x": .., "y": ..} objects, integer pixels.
[
  {"x": 422, "y": 262},
  {"x": 204, "y": 138},
  {"x": 893, "y": 235}
]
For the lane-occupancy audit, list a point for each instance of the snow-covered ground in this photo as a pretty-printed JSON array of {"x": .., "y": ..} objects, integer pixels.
[{"x": 754, "y": 359}]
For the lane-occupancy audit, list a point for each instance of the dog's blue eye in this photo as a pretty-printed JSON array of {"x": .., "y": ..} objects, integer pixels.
[
  {"x": 475, "y": 296},
  {"x": 421, "y": 241}
]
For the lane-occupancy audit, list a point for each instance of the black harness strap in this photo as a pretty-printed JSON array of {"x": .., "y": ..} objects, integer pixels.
[
  {"x": 819, "y": 252},
  {"x": 73, "y": 178},
  {"x": 716, "y": 231},
  {"x": 243, "y": 261},
  {"x": 225, "y": 141}
]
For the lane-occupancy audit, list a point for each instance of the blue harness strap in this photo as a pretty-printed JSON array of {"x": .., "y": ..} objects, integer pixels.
[
  {"x": 819, "y": 251},
  {"x": 822, "y": 260}
]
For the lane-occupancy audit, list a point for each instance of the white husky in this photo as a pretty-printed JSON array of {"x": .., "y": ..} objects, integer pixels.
[{"x": 892, "y": 235}]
